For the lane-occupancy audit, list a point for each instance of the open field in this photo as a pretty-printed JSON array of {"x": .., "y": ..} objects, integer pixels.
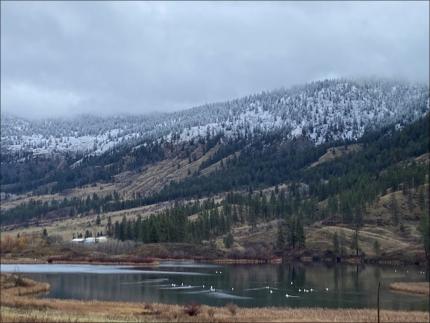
[
  {"x": 68, "y": 226},
  {"x": 18, "y": 305}
]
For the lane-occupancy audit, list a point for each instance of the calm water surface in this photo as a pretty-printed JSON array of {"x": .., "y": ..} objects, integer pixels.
[{"x": 181, "y": 282}]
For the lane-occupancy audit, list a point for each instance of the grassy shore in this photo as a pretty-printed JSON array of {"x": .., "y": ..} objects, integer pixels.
[
  {"x": 419, "y": 288},
  {"x": 18, "y": 304}
]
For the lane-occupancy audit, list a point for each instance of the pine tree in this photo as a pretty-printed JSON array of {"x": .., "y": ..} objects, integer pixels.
[
  {"x": 394, "y": 209},
  {"x": 300, "y": 233},
  {"x": 154, "y": 236},
  {"x": 336, "y": 244},
  {"x": 117, "y": 231},
  {"x": 410, "y": 201},
  {"x": 342, "y": 243},
  {"x": 109, "y": 229},
  {"x": 228, "y": 240},
  {"x": 421, "y": 198},
  {"x": 280, "y": 241},
  {"x": 354, "y": 242},
  {"x": 376, "y": 248},
  {"x": 332, "y": 205},
  {"x": 129, "y": 232},
  {"x": 425, "y": 232},
  {"x": 292, "y": 233},
  {"x": 123, "y": 229},
  {"x": 358, "y": 216},
  {"x": 138, "y": 232}
]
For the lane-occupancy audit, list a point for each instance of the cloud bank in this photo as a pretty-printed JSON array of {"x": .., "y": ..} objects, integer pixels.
[{"x": 66, "y": 58}]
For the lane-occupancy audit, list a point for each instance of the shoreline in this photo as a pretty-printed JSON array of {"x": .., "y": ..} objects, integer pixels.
[
  {"x": 155, "y": 261},
  {"x": 415, "y": 288},
  {"x": 21, "y": 304}
]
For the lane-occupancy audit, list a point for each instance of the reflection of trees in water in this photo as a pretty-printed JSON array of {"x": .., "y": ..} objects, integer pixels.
[
  {"x": 102, "y": 287},
  {"x": 273, "y": 275},
  {"x": 428, "y": 271},
  {"x": 358, "y": 269},
  {"x": 244, "y": 275},
  {"x": 348, "y": 285},
  {"x": 297, "y": 274},
  {"x": 336, "y": 277},
  {"x": 377, "y": 273}
]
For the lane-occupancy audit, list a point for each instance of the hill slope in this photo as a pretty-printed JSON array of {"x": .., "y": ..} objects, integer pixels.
[
  {"x": 52, "y": 155},
  {"x": 289, "y": 171}
]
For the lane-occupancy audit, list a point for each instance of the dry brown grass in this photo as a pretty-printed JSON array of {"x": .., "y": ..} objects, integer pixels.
[
  {"x": 101, "y": 189},
  {"x": 173, "y": 313},
  {"x": 216, "y": 166},
  {"x": 337, "y": 152},
  {"x": 391, "y": 243},
  {"x": 420, "y": 288},
  {"x": 68, "y": 226},
  {"x": 157, "y": 175},
  {"x": 232, "y": 308},
  {"x": 18, "y": 308}
]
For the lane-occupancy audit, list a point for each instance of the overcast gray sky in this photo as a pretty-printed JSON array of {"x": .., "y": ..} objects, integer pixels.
[{"x": 111, "y": 57}]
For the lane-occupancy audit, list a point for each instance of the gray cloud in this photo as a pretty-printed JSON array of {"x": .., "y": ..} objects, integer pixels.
[{"x": 64, "y": 58}]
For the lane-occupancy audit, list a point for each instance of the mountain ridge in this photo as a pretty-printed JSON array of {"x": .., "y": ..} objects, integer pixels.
[{"x": 323, "y": 111}]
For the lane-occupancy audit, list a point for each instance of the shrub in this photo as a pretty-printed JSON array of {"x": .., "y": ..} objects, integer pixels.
[
  {"x": 192, "y": 309},
  {"x": 211, "y": 312},
  {"x": 228, "y": 240},
  {"x": 232, "y": 308}
]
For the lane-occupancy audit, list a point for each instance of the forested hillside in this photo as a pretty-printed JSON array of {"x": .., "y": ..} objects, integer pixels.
[
  {"x": 357, "y": 160},
  {"x": 56, "y": 154},
  {"x": 340, "y": 191}
]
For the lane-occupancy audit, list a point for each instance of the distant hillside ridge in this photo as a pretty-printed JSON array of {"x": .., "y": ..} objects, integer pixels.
[{"x": 322, "y": 111}]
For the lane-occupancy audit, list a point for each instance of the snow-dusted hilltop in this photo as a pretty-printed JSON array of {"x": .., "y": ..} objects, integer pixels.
[{"x": 323, "y": 111}]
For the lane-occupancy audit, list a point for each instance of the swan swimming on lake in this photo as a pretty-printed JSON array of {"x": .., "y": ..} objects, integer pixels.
[
  {"x": 271, "y": 291},
  {"x": 326, "y": 289}
]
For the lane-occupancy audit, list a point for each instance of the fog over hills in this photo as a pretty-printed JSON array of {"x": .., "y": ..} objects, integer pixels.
[{"x": 323, "y": 111}]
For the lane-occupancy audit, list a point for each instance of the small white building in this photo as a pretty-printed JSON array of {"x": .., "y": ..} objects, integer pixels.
[
  {"x": 90, "y": 240},
  {"x": 101, "y": 239}
]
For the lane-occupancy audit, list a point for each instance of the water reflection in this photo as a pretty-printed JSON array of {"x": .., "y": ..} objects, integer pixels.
[{"x": 294, "y": 285}]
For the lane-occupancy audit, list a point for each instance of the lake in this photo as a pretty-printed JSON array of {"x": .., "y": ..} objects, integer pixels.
[{"x": 181, "y": 282}]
